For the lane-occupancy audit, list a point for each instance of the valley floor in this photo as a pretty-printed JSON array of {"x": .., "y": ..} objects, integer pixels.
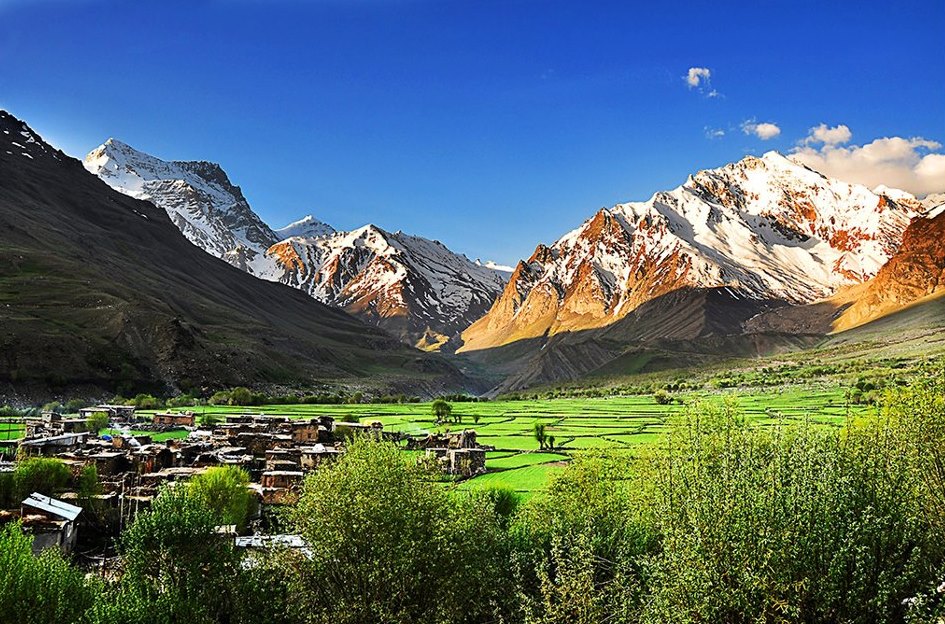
[{"x": 610, "y": 425}]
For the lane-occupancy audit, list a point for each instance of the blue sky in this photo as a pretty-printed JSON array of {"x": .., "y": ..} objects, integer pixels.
[{"x": 490, "y": 126}]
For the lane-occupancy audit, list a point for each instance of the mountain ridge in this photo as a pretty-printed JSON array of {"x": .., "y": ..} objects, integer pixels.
[
  {"x": 764, "y": 228},
  {"x": 413, "y": 287},
  {"x": 102, "y": 291}
]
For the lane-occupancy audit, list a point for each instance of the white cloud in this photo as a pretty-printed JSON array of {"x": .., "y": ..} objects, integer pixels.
[
  {"x": 698, "y": 76},
  {"x": 837, "y": 135},
  {"x": 713, "y": 133},
  {"x": 763, "y": 131},
  {"x": 912, "y": 165}
]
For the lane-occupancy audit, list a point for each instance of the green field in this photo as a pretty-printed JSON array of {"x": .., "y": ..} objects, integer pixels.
[
  {"x": 11, "y": 429},
  {"x": 156, "y": 437},
  {"x": 611, "y": 424}
]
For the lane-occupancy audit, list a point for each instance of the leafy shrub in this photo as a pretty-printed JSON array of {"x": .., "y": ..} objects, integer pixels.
[
  {"x": 390, "y": 545},
  {"x": 225, "y": 491},
  {"x": 39, "y": 590},
  {"x": 45, "y": 475}
]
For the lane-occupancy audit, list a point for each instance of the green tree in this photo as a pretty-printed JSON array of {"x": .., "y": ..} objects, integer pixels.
[
  {"x": 728, "y": 500},
  {"x": 662, "y": 397},
  {"x": 225, "y": 491},
  {"x": 184, "y": 400},
  {"x": 176, "y": 566},
  {"x": 241, "y": 396},
  {"x": 146, "y": 401},
  {"x": 54, "y": 406},
  {"x": 208, "y": 419},
  {"x": 390, "y": 545},
  {"x": 45, "y": 475},
  {"x": 39, "y": 590},
  {"x": 442, "y": 410},
  {"x": 538, "y": 431},
  {"x": 96, "y": 422},
  {"x": 74, "y": 405}
]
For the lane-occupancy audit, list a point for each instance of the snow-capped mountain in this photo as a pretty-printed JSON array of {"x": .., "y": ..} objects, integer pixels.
[
  {"x": 764, "y": 228},
  {"x": 306, "y": 227},
  {"x": 414, "y": 287},
  {"x": 197, "y": 195}
]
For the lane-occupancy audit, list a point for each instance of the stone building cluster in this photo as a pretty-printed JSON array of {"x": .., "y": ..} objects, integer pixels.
[{"x": 275, "y": 451}]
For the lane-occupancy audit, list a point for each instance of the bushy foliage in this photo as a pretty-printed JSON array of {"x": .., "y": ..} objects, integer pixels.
[
  {"x": 45, "y": 475},
  {"x": 145, "y": 402},
  {"x": 795, "y": 523},
  {"x": 96, "y": 422},
  {"x": 389, "y": 545},
  {"x": 184, "y": 400},
  {"x": 225, "y": 491},
  {"x": 442, "y": 410},
  {"x": 39, "y": 590},
  {"x": 662, "y": 397},
  {"x": 176, "y": 567}
]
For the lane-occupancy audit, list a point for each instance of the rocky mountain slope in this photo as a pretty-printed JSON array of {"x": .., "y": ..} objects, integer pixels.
[
  {"x": 413, "y": 287},
  {"x": 914, "y": 273},
  {"x": 763, "y": 229},
  {"x": 197, "y": 195},
  {"x": 99, "y": 290}
]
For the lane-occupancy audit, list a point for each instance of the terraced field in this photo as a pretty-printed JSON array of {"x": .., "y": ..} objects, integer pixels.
[
  {"x": 610, "y": 424},
  {"x": 11, "y": 429}
]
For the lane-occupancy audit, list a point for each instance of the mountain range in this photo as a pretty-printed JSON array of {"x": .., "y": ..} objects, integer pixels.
[
  {"x": 730, "y": 263},
  {"x": 755, "y": 257},
  {"x": 414, "y": 288},
  {"x": 101, "y": 292}
]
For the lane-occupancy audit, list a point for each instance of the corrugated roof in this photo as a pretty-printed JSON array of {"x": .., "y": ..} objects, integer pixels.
[
  {"x": 52, "y": 506},
  {"x": 269, "y": 541}
]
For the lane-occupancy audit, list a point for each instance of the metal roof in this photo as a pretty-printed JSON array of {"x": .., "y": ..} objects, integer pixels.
[
  {"x": 269, "y": 541},
  {"x": 58, "y": 440},
  {"x": 52, "y": 506}
]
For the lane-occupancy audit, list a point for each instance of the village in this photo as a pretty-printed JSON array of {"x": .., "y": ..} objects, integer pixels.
[{"x": 130, "y": 467}]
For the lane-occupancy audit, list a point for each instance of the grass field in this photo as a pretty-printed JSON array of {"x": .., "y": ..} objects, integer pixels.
[
  {"x": 156, "y": 437},
  {"x": 11, "y": 429},
  {"x": 578, "y": 425}
]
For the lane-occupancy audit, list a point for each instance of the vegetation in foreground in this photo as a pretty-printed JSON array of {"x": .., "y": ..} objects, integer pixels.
[{"x": 723, "y": 520}]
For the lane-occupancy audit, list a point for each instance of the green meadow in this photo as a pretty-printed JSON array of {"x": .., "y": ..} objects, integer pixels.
[{"x": 578, "y": 425}]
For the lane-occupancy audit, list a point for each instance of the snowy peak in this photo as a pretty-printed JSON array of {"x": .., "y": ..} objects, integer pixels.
[
  {"x": 198, "y": 197},
  {"x": 414, "y": 287},
  {"x": 766, "y": 228},
  {"x": 306, "y": 227}
]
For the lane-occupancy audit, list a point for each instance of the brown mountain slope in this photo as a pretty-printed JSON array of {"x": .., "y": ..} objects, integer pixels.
[
  {"x": 766, "y": 228},
  {"x": 675, "y": 329},
  {"x": 915, "y": 272},
  {"x": 101, "y": 291}
]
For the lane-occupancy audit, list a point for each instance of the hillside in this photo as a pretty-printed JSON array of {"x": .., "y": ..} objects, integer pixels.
[
  {"x": 197, "y": 195},
  {"x": 916, "y": 272},
  {"x": 101, "y": 291}
]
